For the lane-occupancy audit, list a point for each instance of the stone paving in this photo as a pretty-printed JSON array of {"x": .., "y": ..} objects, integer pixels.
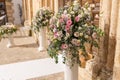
[
  {"x": 57, "y": 76},
  {"x": 25, "y": 49}
]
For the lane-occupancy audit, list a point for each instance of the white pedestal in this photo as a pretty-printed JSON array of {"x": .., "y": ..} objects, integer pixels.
[
  {"x": 71, "y": 73},
  {"x": 42, "y": 40},
  {"x": 10, "y": 41}
]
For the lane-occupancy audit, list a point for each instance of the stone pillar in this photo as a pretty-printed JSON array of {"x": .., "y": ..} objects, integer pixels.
[
  {"x": 56, "y": 4},
  {"x": 116, "y": 70},
  {"x": 112, "y": 35},
  {"x": 52, "y": 5},
  {"x": 40, "y": 2},
  {"x": 101, "y": 58}
]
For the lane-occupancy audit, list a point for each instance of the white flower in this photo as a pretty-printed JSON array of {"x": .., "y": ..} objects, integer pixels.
[
  {"x": 67, "y": 34},
  {"x": 58, "y": 23},
  {"x": 59, "y": 33},
  {"x": 79, "y": 28},
  {"x": 72, "y": 12},
  {"x": 69, "y": 16},
  {"x": 76, "y": 34},
  {"x": 76, "y": 7},
  {"x": 74, "y": 41},
  {"x": 89, "y": 9},
  {"x": 54, "y": 30},
  {"x": 80, "y": 15},
  {"x": 86, "y": 36},
  {"x": 75, "y": 3},
  {"x": 81, "y": 34}
]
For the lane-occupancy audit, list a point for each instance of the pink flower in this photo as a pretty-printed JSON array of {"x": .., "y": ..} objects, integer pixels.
[
  {"x": 77, "y": 18},
  {"x": 61, "y": 20},
  {"x": 67, "y": 27},
  {"x": 64, "y": 46},
  {"x": 55, "y": 35},
  {"x": 69, "y": 22}
]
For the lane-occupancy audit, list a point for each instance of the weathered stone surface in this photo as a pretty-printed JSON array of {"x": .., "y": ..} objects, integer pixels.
[{"x": 116, "y": 75}]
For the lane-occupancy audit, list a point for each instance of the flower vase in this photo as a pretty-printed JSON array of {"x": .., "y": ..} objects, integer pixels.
[
  {"x": 71, "y": 68},
  {"x": 42, "y": 39},
  {"x": 71, "y": 73},
  {"x": 10, "y": 41}
]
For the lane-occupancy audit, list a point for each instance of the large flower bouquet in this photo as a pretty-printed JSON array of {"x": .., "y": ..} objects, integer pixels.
[
  {"x": 7, "y": 30},
  {"x": 41, "y": 19},
  {"x": 70, "y": 29}
]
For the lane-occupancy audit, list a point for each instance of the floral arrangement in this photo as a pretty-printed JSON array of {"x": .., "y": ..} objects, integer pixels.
[
  {"x": 70, "y": 29},
  {"x": 7, "y": 29},
  {"x": 41, "y": 19}
]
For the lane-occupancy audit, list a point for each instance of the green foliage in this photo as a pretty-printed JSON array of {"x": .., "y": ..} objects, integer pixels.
[{"x": 7, "y": 30}]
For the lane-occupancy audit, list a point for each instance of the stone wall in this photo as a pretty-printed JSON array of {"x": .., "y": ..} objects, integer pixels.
[
  {"x": 17, "y": 7},
  {"x": 10, "y": 11}
]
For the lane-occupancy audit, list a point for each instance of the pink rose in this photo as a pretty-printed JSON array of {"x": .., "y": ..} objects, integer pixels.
[
  {"x": 69, "y": 22},
  {"x": 67, "y": 27},
  {"x": 77, "y": 18},
  {"x": 64, "y": 46}
]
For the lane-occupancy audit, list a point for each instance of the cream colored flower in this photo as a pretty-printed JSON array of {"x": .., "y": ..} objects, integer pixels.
[
  {"x": 86, "y": 36},
  {"x": 79, "y": 28},
  {"x": 72, "y": 12},
  {"x": 76, "y": 34},
  {"x": 81, "y": 34}
]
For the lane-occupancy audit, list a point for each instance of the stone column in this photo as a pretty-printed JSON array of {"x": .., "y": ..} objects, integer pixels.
[
  {"x": 56, "y": 5},
  {"x": 116, "y": 70},
  {"x": 112, "y": 35},
  {"x": 40, "y": 2},
  {"x": 101, "y": 58},
  {"x": 52, "y": 5}
]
